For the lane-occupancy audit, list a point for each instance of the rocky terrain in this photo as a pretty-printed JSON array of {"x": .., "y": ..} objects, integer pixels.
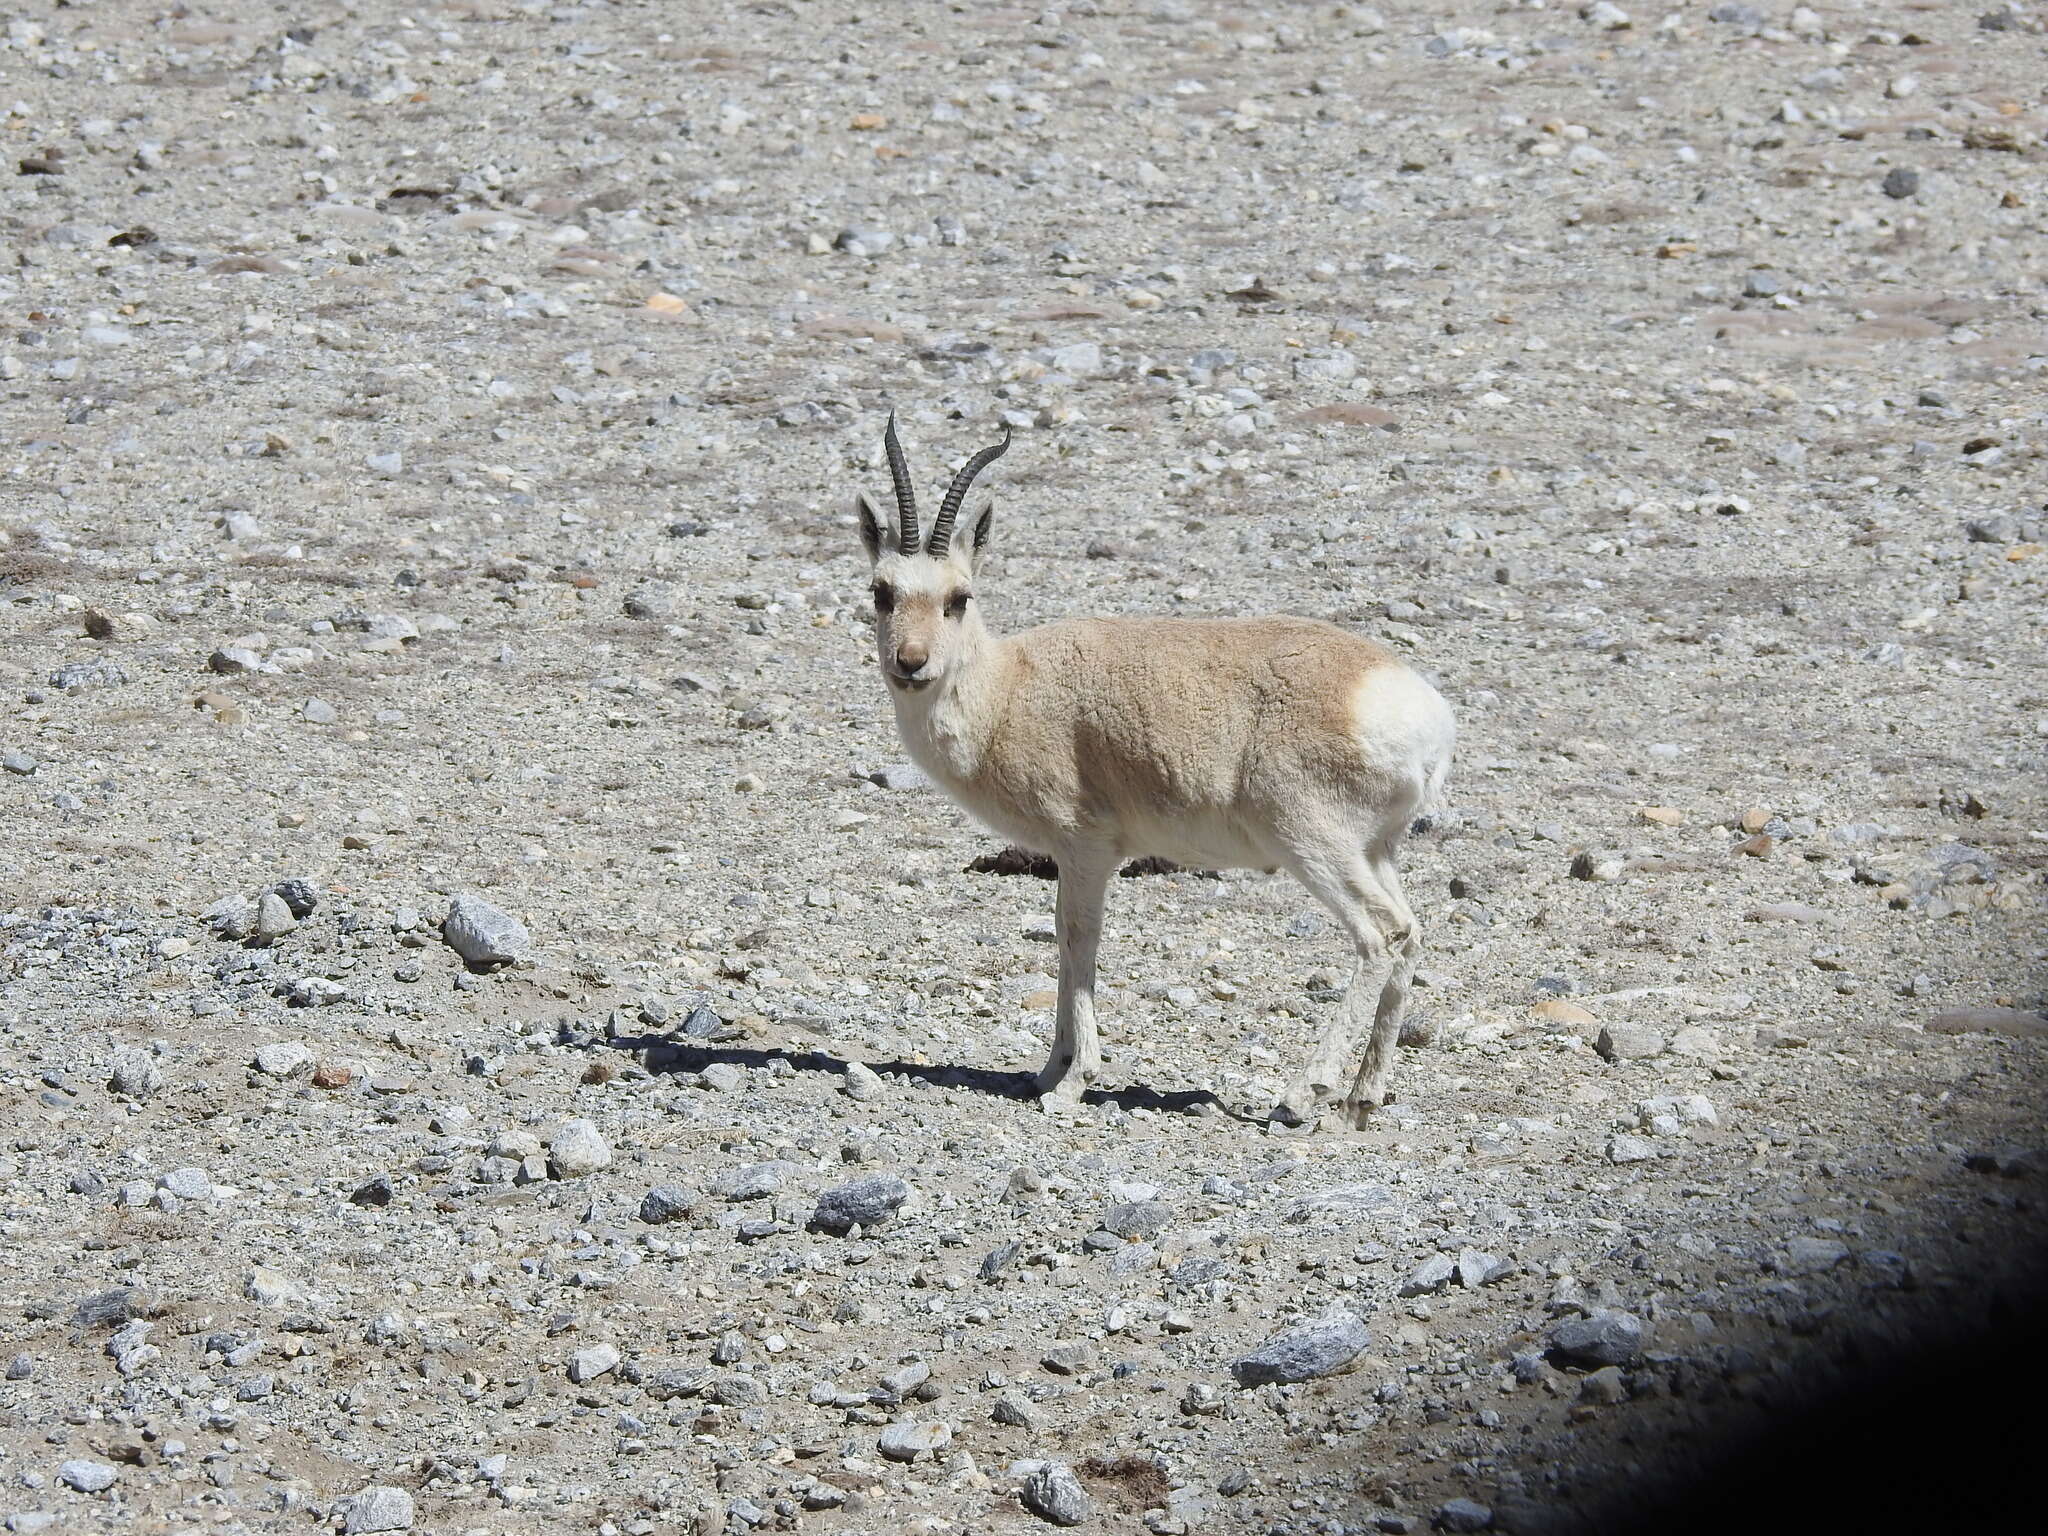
[{"x": 492, "y": 1038}]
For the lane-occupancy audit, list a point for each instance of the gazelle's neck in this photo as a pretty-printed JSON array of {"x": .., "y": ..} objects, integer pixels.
[{"x": 947, "y": 726}]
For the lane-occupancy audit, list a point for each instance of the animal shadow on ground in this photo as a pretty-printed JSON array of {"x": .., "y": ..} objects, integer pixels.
[
  {"x": 675, "y": 1053},
  {"x": 671, "y": 1054}
]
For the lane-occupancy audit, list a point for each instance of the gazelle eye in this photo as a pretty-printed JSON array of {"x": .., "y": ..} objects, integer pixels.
[
  {"x": 956, "y": 605},
  {"x": 885, "y": 598}
]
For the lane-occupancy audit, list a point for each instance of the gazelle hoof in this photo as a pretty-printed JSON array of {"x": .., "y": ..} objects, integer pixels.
[
  {"x": 1290, "y": 1114},
  {"x": 1358, "y": 1113}
]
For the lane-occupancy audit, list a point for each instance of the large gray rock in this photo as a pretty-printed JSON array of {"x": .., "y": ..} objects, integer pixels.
[
  {"x": 378, "y": 1509},
  {"x": 483, "y": 934},
  {"x": 1463, "y": 1515},
  {"x": 1629, "y": 1149},
  {"x": 589, "y": 1364},
  {"x": 1138, "y": 1219},
  {"x": 87, "y": 1476},
  {"x": 756, "y": 1181},
  {"x": 907, "y": 1442},
  {"x": 1014, "y": 1410},
  {"x": 864, "y": 1202},
  {"x": 232, "y": 917},
  {"x": 1477, "y": 1267},
  {"x": 186, "y": 1183},
  {"x": 273, "y": 918},
  {"x": 285, "y": 1058},
  {"x": 1813, "y": 1255},
  {"x": 1433, "y": 1274},
  {"x": 1321, "y": 1348},
  {"x": 135, "y": 1074},
  {"x": 1071, "y": 1358},
  {"x": 1343, "y": 1202},
  {"x": 1055, "y": 1495},
  {"x": 666, "y": 1203},
  {"x": 267, "y": 1288},
  {"x": 576, "y": 1148},
  {"x": 1629, "y": 1042},
  {"x": 1605, "y": 1338}
]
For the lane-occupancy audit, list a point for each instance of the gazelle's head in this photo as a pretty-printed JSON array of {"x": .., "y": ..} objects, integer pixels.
[{"x": 923, "y": 591}]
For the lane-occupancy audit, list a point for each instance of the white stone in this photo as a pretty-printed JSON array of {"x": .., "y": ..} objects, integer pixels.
[
  {"x": 576, "y": 1148},
  {"x": 87, "y": 1476},
  {"x": 379, "y": 1509},
  {"x": 589, "y": 1364},
  {"x": 268, "y": 1288},
  {"x": 286, "y": 1058}
]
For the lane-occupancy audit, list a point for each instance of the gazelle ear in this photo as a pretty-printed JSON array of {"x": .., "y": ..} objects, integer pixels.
[
  {"x": 870, "y": 525},
  {"x": 988, "y": 515}
]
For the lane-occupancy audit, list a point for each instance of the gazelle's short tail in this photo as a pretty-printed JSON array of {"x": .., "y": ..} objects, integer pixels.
[{"x": 1429, "y": 810}]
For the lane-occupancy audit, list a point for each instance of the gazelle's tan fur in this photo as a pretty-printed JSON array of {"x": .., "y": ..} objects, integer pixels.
[{"x": 1270, "y": 743}]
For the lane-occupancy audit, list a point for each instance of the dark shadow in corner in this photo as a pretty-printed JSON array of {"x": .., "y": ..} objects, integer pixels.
[
  {"x": 1900, "y": 1431},
  {"x": 665, "y": 1053}
]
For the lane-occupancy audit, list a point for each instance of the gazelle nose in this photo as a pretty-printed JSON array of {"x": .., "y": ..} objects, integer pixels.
[{"x": 911, "y": 658}]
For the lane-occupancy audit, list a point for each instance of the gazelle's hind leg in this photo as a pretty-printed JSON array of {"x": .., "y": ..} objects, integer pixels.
[
  {"x": 1367, "y": 903},
  {"x": 1369, "y": 1089}
]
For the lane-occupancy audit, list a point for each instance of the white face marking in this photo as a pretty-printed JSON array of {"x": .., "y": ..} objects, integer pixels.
[{"x": 918, "y": 617}]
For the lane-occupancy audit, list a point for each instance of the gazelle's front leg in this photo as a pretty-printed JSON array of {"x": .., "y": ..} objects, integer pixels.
[{"x": 1076, "y": 1059}]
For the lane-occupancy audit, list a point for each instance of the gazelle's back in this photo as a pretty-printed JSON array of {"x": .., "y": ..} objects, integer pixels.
[{"x": 1199, "y": 739}]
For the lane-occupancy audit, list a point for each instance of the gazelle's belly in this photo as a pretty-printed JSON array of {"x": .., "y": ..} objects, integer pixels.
[{"x": 1197, "y": 839}]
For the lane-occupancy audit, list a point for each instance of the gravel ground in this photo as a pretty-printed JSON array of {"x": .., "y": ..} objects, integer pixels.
[{"x": 493, "y": 1039}]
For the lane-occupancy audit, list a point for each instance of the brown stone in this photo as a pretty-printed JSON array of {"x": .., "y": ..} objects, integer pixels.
[
  {"x": 329, "y": 1076},
  {"x": 224, "y": 709},
  {"x": 1352, "y": 413},
  {"x": 2021, "y": 1023},
  {"x": 1786, "y": 912}
]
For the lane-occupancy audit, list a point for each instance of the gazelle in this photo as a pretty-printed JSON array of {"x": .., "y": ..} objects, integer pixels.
[{"x": 1270, "y": 743}]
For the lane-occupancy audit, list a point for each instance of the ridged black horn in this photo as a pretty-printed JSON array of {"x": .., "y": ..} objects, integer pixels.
[
  {"x": 906, "y": 491},
  {"x": 942, "y": 528}
]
